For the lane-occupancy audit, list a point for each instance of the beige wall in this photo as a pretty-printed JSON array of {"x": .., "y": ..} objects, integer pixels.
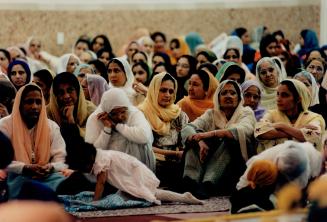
[{"x": 17, "y": 26}]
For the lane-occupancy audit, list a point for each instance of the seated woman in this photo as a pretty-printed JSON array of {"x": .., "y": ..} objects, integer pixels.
[
  {"x": 234, "y": 53},
  {"x": 317, "y": 67},
  {"x": 201, "y": 88},
  {"x": 38, "y": 145},
  {"x": 93, "y": 87},
  {"x": 142, "y": 75},
  {"x": 310, "y": 82},
  {"x": 43, "y": 78},
  {"x": 120, "y": 75},
  {"x": 216, "y": 143},
  {"x": 252, "y": 95},
  {"x": 70, "y": 110},
  {"x": 262, "y": 178},
  {"x": 231, "y": 71},
  {"x": 117, "y": 125},
  {"x": 166, "y": 120},
  {"x": 291, "y": 120},
  {"x": 19, "y": 73},
  {"x": 67, "y": 63},
  {"x": 269, "y": 76},
  {"x": 185, "y": 67}
]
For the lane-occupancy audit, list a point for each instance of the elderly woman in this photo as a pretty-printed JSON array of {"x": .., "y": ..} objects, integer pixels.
[
  {"x": 117, "y": 125},
  {"x": 317, "y": 67},
  {"x": 201, "y": 88},
  {"x": 269, "y": 76},
  {"x": 37, "y": 142},
  {"x": 67, "y": 63},
  {"x": 291, "y": 120},
  {"x": 19, "y": 73},
  {"x": 166, "y": 120},
  {"x": 252, "y": 95},
  {"x": 70, "y": 110},
  {"x": 120, "y": 75},
  {"x": 210, "y": 163}
]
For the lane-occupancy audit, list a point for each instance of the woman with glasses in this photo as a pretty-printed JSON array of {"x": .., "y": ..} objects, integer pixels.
[
  {"x": 269, "y": 76},
  {"x": 291, "y": 120},
  {"x": 317, "y": 67},
  {"x": 166, "y": 120}
]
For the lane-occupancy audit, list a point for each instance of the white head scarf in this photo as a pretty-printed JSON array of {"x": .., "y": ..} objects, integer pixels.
[
  {"x": 234, "y": 42},
  {"x": 111, "y": 99},
  {"x": 128, "y": 87},
  {"x": 63, "y": 62},
  {"x": 314, "y": 86},
  {"x": 268, "y": 98}
]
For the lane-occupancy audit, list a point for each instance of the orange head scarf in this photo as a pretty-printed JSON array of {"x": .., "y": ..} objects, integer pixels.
[
  {"x": 196, "y": 107},
  {"x": 262, "y": 173},
  {"x": 22, "y": 143}
]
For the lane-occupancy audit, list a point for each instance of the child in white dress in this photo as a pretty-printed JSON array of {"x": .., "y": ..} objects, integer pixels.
[{"x": 127, "y": 174}]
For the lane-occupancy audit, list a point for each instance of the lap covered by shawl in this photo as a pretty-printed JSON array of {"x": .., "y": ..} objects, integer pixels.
[{"x": 224, "y": 157}]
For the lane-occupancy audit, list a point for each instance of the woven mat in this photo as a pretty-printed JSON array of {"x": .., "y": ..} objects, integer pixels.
[{"x": 214, "y": 204}]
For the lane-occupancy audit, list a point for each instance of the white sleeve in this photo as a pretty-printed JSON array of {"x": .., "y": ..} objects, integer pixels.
[
  {"x": 103, "y": 139},
  {"x": 58, "y": 147},
  {"x": 137, "y": 128}
]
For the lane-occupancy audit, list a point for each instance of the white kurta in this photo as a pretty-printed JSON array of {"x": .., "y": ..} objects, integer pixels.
[
  {"x": 133, "y": 137},
  {"x": 313, "y": 161},
  {"x": 57, "y": 146},
  {"x": 127, "y": 174}
]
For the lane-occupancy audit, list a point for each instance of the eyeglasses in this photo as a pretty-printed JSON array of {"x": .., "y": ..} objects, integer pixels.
[
  {"x": 264, "y": 72},
  {"x": 165, "y": 90}
]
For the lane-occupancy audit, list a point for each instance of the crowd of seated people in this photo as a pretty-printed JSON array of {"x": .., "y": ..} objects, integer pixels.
[{"x": 243, "y": 122}]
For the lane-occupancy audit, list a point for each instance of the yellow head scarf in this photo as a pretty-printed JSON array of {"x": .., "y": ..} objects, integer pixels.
[
  {"x": 159, "y": 117},
  {"x": 303, "y": 92}
]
